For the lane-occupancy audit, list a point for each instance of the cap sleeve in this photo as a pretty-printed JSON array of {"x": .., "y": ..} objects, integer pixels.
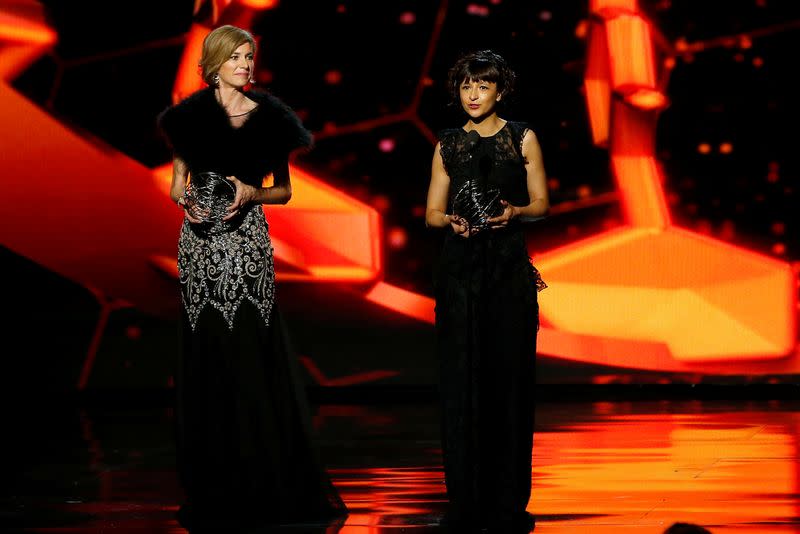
[
  {"x": 518, "y": 131},
  {"x": 447, "y": 145}
]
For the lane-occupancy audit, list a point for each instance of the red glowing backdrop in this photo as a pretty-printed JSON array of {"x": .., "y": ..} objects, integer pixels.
[{"x": 644, "y": 296}]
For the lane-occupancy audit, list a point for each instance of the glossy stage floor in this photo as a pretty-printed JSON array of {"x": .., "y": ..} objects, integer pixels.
[{"x": 599, "y": 467}]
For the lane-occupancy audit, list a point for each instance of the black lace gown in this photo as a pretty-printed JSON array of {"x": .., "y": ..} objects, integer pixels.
[
  {"x": 487, "y": 319},
  {"x": 245, "y": 447}
]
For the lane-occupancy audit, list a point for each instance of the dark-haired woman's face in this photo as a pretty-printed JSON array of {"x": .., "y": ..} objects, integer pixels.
[
  {"x": 478, "y": 98},
  {"x": 238, "y": 69}
]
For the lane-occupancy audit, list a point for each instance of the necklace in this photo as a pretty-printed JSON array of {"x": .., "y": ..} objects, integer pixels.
[
  {"x": 218, "y": 96},
  {"x": 243, "y": 114}
]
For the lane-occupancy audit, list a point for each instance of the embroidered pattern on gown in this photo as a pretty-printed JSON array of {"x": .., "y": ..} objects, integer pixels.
[{"x": 223, "y": 270}]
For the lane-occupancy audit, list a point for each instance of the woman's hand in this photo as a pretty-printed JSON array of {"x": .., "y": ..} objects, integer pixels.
[
  {"x": 187, "y": 212},
  {"x": 459, "y": 225},
  {"x": 244, "y": 195},
  {"x": 501, "y": 221}
]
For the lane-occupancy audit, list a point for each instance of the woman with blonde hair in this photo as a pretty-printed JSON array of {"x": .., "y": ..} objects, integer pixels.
[{"x": 245, "y": 447}]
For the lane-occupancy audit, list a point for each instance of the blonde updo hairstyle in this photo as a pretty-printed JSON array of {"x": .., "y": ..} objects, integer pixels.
[{"x": 218, "y": 47}]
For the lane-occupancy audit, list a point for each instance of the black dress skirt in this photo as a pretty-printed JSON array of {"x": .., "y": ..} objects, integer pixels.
[{"x": 246, "y": 454}]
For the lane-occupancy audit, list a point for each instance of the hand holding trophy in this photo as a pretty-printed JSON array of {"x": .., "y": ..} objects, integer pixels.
[
  {"x": 207, "y": 198},
  {"x": 476, "y": 207}
]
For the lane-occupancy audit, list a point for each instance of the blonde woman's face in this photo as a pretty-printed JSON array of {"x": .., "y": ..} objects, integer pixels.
[{"x": 238, "y": 68}]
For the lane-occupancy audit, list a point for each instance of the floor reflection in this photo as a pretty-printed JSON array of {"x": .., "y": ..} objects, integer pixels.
[
  {"x": 602, "y": 467},
  {"x": 710, "y": 463}
]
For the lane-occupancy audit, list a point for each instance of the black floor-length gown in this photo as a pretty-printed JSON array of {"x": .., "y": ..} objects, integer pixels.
[
  {"x": 245, "y": 448},
  {"x": 487, "y": 322}
]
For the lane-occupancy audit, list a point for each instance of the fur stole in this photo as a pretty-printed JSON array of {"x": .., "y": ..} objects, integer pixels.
[{"x": 200, "y": 133}]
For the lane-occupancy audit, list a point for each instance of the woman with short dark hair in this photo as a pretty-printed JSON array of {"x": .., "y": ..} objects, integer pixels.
[{"x": 487, "y": 177}]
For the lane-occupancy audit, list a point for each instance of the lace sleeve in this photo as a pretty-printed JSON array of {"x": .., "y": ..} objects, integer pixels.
[
  {"x": 446, "y": 146},
  {"x": 518, "y": 132},
  {"x": 525, "y": 130}
]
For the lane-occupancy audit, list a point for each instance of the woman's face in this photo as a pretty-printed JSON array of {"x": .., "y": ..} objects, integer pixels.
[
  {"x": 478, "y": 98},
  {"x": 238, "y": 68}
]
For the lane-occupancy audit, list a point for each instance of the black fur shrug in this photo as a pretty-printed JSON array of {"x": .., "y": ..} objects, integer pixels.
[{"x": 200, "y": 133}]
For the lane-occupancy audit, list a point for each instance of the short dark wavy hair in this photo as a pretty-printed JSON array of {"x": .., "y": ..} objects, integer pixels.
[{"x": 484, "y": 66}]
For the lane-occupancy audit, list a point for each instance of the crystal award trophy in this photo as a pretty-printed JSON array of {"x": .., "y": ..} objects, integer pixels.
[
  {"x": 207, "y": 198},
  {"x": 476, "y": 206}
]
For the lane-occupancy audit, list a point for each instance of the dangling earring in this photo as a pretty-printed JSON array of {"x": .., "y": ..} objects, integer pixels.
[
  {"x": 216, "y": 80},
  {"x": 252, "y": 81}
]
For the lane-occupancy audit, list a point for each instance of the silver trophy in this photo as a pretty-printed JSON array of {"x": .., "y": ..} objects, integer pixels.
[
  {"x": 207, "y": 198},
  {"x": 476, "y": 206}
]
